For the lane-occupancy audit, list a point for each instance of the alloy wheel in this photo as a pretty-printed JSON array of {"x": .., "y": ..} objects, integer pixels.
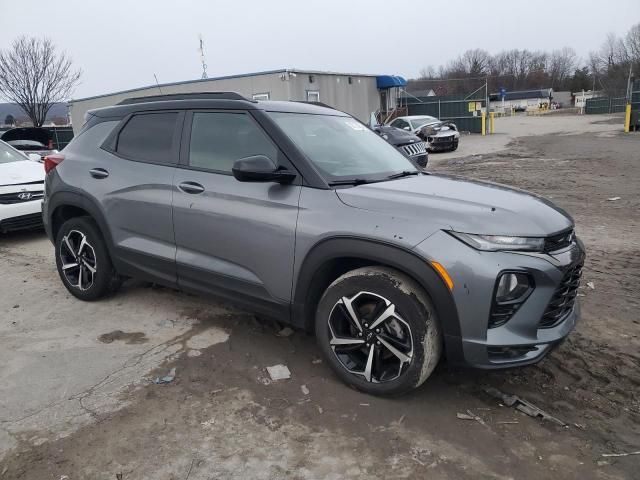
[
  {"x": 78, "y": 260},
  {"x": 369, "y": 337}
]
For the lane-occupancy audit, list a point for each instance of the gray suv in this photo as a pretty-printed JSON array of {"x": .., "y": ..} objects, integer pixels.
[{"x": 300, "y": 213}]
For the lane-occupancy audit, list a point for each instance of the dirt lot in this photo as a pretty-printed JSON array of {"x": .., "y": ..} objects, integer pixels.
[{"x": 77, "y": 399}]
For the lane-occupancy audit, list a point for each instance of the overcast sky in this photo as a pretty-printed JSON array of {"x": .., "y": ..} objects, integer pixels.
[{"x": 121, "y": 44}]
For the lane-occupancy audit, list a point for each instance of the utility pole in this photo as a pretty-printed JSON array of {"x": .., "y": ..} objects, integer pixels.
[
  {"x": 629, "y": 81},
  {"x": 627, "y": 107},
  {"x": 486, "y": 97}
]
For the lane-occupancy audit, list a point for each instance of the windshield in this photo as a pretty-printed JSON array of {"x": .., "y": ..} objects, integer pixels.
[
  {"x": 341, "y": 147},
  {"x": 419, "y": 122},
  {"x": 8, "y": 154}
]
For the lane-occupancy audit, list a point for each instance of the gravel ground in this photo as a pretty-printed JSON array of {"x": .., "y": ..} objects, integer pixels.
[{"x": 77, "y": 396}]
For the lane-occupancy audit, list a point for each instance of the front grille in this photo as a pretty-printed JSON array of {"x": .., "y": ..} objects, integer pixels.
[
  {"x": 563, "y": 298},
  {"x": 559, "y": 241},
  {"x": 414, "y": 149},
  {"x": 21, "y": 223},
  {"x": 20, "y": 197},
  {"x": 443, "y": 139}
]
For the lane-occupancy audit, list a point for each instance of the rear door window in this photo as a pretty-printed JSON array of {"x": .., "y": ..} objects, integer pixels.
[{"x": 150, "y": 137}]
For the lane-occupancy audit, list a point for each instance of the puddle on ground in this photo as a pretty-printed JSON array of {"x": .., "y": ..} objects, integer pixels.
[{"x": 130, "y": 338}]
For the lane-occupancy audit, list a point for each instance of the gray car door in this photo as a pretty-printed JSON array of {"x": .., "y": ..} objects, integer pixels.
[
  {"x": 233, "y": 239},
  {"x": 131, "y": 178}
]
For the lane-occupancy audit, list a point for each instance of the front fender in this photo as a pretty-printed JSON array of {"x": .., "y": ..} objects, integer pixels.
[{"x": 374, "y": 253}]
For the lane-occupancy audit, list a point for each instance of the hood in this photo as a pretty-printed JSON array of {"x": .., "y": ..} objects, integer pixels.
[
  {"x": 396, "y": 136},
  {"x": 439, "y": 129},
  {"x": 27, "y": 133},
  {"x": 463, "y": 205},
  {"x": 15, "y": 173}
]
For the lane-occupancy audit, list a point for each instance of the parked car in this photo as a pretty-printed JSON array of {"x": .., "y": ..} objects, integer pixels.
[
  {"x": 34, "y": 140},
  {"x": 303, "y": 214},
  {"x": 409, "y": 144},
  {"x": 440, "y": 136},
  {"x": 21, "y": 189}
]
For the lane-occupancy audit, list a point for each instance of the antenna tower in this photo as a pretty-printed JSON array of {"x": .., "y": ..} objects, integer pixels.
[{"x": 202, "y": 60}]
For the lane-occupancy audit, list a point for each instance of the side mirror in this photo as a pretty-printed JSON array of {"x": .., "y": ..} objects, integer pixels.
[
  {"x": 408, "y": 128},
  {"x": 260, "y": 168},
  {"x": 34, "y": 157}
]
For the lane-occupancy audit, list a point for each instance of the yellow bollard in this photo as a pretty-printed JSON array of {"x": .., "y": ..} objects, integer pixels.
[
  {"x": 627, "y": 118},
  {"x": 484, "y": 124},
  {"x": 491, "y": 122}
]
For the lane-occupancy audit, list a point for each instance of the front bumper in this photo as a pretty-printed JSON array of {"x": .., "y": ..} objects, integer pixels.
[
  {"x": 443, "y": 145},
  {"x": 521, "y": 340},
  {"x": 20, "y": 216}
]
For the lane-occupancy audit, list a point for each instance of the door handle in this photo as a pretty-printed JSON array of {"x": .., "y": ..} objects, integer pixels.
[
  {"x": 98, "y": 173},
  {"x": 191, "y": 187}
]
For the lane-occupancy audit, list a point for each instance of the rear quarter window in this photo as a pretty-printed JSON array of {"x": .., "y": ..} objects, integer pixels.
[
  {"x": 91, "y": 137},
  {"x": 149, "y": 137}
]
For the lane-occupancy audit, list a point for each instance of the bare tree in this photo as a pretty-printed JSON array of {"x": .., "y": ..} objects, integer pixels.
[
  {"x": 34, "y": 76},
  {"x": 611, "y": 64},
  {"x": 561, "y": 65},
  {"x": 606, "y": 69},
  {"x": 632, "y": 41},
  {"x": 428, "y": 72},
  {"x": 476, "y": 62}
]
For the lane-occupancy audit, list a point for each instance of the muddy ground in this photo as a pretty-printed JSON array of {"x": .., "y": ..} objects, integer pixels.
[{"x": 78, "y": 401}]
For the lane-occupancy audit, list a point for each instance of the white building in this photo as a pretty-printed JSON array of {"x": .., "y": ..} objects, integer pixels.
[
  {"x": 580, "y": 98},
  {"x": 521, "y": 100}
]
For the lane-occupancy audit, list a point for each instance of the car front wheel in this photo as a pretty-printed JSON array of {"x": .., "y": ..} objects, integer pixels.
[
  {"x": 379, "y": 331},
  {"x": 83, "y": 261}
]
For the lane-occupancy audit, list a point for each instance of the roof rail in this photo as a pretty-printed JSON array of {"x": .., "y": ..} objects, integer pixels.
[{"x": 186, "y": 96}]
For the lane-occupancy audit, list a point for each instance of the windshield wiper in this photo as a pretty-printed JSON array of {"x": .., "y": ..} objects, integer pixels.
[
  {"x": 404, "y": 173},
  {"x": 349, "y": 181}
]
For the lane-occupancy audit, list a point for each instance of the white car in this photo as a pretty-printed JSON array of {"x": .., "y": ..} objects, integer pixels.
[
  {"x": 21, "y": 189},
  {"x": 440, "y": 136}
]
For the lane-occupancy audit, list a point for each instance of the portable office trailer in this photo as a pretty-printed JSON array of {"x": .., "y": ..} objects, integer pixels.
[{"x": 356, "y": 94}]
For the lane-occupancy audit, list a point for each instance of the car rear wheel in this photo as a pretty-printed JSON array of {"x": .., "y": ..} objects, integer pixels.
[
  {"x": 379, "y": 331},
  {"x": 83, "y": 261}
]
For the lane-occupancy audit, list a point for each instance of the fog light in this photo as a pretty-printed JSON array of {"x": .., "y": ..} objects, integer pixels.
[{"x": 511, "y": 287}]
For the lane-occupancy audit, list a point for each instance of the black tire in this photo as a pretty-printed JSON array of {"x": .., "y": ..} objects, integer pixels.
[
  {"x": 94, "y": 255},
  {"x": 413, "y": 309}
]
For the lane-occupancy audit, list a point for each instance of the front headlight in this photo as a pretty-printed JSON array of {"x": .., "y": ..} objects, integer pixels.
[{"x": 495, "y": 243}]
